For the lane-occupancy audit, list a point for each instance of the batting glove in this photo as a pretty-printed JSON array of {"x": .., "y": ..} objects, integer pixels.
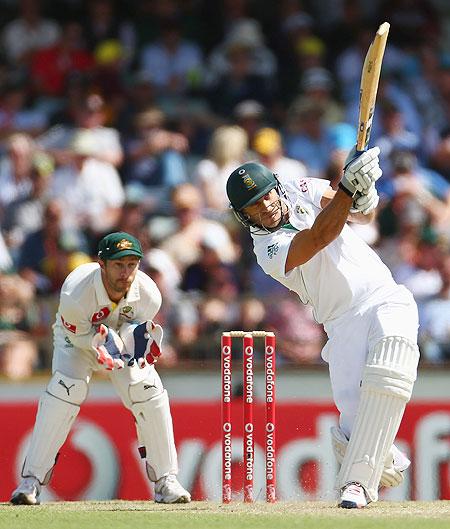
[
  {"x": 108, "y": 346},
  {"x": 366, "y": 203},
  {"x": 361, "y": 171},
  {"x": 143, "y": 342}
]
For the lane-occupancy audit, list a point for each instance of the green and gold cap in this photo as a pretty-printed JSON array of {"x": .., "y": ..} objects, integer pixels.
[
  {"x": 248, "y": 183},
  {"x": 119, "y": 244}
]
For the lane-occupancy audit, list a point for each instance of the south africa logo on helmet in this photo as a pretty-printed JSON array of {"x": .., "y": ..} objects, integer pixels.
[{"x": 248, "y": 183}]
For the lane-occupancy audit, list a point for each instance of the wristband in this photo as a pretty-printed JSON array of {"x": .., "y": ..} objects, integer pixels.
[{"x": 346, "y": 191}]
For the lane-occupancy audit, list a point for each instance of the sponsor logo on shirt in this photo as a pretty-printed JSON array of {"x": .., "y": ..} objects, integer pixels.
[
  {"x": 69, "y": 326},
  {"x": 100, "y": 315},
  {"x": 272, "y": 250},
  {"x": 303, "y": 185}
]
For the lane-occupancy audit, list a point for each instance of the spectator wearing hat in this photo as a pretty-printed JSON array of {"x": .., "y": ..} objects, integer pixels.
[
  {"x": 88, "y": 113},
  {"x": 269, "y": 147},
  {"x": 241, "y": 68},
  {"x": 316, "y": 87},
  {"x": 154, "y": 162},
  {"x": 250, "y": 115},
  {"x": 90, "y": 189}
]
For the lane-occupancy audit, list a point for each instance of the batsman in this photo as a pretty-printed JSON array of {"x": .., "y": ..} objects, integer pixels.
[
  {"x": 301, "y": 237},
  {"x": 105, "y": 321}
]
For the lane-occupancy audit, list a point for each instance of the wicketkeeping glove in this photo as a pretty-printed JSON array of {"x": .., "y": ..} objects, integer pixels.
[
  {"x": 361, "y": 171},
  {"x": 143, "y": 342},
  {"x": 108, "y": 346}
]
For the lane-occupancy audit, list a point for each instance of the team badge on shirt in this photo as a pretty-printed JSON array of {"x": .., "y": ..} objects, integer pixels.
[
  {"x": 127, "y": 313},
  {"x": 272, "y": 250}
]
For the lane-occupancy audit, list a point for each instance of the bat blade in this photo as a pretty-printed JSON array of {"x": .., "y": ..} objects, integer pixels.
[{"x": 370, "y": 77}]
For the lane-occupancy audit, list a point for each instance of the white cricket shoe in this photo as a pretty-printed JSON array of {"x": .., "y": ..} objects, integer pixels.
[
  {"x": 353, "y": 496},
  {"x": 168, "y": 490},
  {"x": 27, "y": 493}
]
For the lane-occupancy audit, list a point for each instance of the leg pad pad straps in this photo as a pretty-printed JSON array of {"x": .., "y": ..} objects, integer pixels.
[
  {"x": 58, "y": 408},
  {"x": 154, "y": 423},
  {"x": 387, "y": 385}
]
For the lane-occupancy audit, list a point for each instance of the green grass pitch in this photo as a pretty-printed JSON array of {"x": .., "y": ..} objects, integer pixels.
[{"x": 210, "y": 515}]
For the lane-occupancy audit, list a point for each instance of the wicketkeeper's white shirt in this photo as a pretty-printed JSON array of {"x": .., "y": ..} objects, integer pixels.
[
  {"x": 341, "y": 276},
  {"x": 84, "y": 304}
]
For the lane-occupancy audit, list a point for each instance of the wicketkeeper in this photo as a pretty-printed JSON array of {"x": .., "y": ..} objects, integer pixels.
[
  {"x": 301, "y": 238},
  {"x": 105, "y": 321}
]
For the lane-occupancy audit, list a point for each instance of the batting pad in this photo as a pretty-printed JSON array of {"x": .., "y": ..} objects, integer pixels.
[
  {"x": 57, "y": 410},
  {"x": 387, "y": 385},
  {"x": 156, "y": 431}
]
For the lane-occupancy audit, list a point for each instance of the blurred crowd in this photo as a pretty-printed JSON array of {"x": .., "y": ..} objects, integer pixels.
[{"x": 130, "y": 116}]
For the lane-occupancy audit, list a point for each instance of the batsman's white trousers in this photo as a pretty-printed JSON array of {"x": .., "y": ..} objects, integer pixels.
[{"x": 391, "y": 312}]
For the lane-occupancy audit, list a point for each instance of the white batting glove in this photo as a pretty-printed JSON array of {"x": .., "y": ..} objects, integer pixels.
[
  {"x": 108, "y": 347},
  {"x": 362, "y": 172},
  {"x": 366, "y": 203},
  {"x": 142, "y": 342}
]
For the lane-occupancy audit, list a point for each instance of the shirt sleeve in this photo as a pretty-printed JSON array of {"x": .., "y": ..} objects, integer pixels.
[
  {"x": 314, "y": 188},
  {"x": 151, "y": 300},
  {"x": 272, "y": 253},
  {"x": 76, "y": 326}
]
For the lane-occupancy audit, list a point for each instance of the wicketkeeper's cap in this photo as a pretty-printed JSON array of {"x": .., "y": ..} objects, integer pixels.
[{"x": 119, "y": 244}]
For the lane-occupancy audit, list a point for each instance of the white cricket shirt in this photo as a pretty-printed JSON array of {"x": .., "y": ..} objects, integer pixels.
[
  {"x": 84, "y": 304},
  {"x": 339, "y": 277}
]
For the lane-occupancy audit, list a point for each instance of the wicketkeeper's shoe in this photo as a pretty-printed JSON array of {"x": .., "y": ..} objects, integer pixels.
[
  {"x": 27, "y": 493},
  {"x": 353, "y": 496},
  {"x": 168, "y": 490}
]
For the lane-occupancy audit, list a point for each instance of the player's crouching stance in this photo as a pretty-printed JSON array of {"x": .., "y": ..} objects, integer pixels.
[
  {"x": 301, "y": 238},
  {"x": 105, "y": 321}
]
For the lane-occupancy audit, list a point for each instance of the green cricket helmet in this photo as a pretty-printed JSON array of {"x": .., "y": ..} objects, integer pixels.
[{"x": 246, "y": 185}]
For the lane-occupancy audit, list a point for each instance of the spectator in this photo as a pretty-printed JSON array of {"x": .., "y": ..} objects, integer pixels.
[
  {"x": 89, "y": 189},
  {"x": 27, "y": 33},
  {"x": 154, "y": 161},
  {"x": 88, "y": 113},
  {"x": 184, "y": 244},
  {"x": 249, "y": 115},
  {"x": 15, "y": 115},
  {"x": 317, "y": 87},
  {"x": 241, "y": 68},
  {"x": 434, "y": 330},
  {"x": 227, "y": 150},
  {"x": 18, "y": 351},
  {"x": 268, "y": 146},
  {"x": 50, "y": 67},
  {"x": 50, "y": 253},
  {"x": 174, "y": 65},
  {"x": 103, "y": 23},
  {"x": 25, "y": 214},
  {"x": 15, "y": 169}
]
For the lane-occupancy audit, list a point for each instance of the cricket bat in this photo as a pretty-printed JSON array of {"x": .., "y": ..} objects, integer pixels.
[{"x": 369, "y": 85}]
